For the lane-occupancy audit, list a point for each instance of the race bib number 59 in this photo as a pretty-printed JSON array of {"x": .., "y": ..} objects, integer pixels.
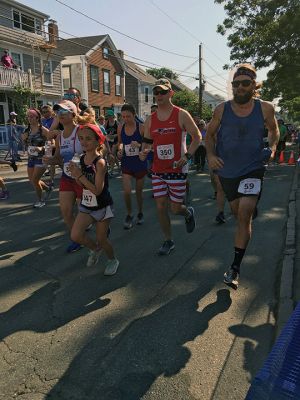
[
  {"x": 250, "y": 186},
  {"x": 165, "y": 151}
]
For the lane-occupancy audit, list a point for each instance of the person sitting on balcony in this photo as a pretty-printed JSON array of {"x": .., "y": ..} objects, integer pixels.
[{"x": 7, "y": 61}]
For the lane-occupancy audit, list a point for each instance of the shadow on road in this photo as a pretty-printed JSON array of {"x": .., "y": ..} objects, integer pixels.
[
  {"x": 149, "y": 347},
  {"x": 254, "y": 353}
]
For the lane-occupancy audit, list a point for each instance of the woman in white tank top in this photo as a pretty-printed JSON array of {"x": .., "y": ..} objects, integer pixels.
[{"x": 67, "y": 144}]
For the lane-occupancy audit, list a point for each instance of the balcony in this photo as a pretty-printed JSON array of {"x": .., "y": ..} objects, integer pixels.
[{"x": 9, "y": 78}]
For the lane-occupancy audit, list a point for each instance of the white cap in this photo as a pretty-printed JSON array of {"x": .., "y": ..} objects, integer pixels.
[{"x": 13, "y": 113}]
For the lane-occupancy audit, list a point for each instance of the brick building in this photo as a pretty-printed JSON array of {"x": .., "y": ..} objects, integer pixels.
[{"x": 94, "y": 66}]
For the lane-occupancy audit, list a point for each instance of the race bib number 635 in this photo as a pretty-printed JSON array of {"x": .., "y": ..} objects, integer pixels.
[
  {"x": 165, "y": 151},
  {"x": 250, "y": 186}
]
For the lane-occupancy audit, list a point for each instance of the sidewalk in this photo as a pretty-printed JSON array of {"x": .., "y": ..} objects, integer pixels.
[{"x": 289, "y": 291}]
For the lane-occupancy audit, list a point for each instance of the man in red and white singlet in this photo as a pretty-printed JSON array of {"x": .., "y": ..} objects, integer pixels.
[{"x": 165, "y": 130}]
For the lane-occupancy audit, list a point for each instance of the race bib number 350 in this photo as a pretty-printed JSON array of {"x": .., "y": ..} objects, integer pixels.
[
  {"x": 250, "y": 186},
  {"x": 165, "y": 151}
]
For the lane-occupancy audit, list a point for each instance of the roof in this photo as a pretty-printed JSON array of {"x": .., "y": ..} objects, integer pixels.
[
  {"x": 179, "y": 85},
  {"x": 79, "y": 45},
  {"x": 29, "y": 10},
  {"x": 138, "y": 73}
]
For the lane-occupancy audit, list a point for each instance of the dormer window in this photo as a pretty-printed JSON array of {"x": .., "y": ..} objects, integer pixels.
[
  {"x": 105, "y": 52},
  {"x": 26, "y": 22}
]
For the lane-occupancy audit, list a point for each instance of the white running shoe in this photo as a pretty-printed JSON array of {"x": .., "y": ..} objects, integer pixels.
[
  {"x": 111, "y": 267},
  {"x": 93, "y": 257},
  {"x": 39, "y": 204}
]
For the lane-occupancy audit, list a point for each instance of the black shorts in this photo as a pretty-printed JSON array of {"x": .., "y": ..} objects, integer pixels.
[{"x": 231, "y": 185}]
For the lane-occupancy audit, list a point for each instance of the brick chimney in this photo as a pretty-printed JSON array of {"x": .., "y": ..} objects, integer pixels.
[{"x": 53, "y": 33}]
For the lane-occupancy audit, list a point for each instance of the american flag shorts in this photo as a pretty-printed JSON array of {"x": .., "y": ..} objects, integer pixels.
[{"x": 172, "y": 185}]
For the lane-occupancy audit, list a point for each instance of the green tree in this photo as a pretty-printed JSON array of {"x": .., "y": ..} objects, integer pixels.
[
  {"x": 162, "y": 73},
  {"x": 23, "y": 98},
  {"x": 189, "y": 101},
  {"x": 267, "y": 33}
]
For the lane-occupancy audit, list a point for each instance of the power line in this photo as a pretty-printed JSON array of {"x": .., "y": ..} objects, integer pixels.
[
  {"x": 212, "y": 68},
  {"x": 111, "y": 54},
  {"x": 218, "y": 83},
  {"x": 213, "y": 53},
  {"x": 185, "y": 30},
  {"x": 175, "y": 22},
  {"x": 221, "y": 90},
  {"x": 123, "y": 34}
]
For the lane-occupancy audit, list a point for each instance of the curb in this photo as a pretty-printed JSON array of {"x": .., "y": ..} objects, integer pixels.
[{"x": 286, "y": 304}]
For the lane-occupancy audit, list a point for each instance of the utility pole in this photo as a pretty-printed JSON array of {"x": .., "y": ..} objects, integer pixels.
[{"x": 200, "y": 81}]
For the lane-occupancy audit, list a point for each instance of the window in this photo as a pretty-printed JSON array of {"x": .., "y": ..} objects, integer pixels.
[
  {"x": 47, "y": 73},
  {"x": 97, "y": 111},
  {"x": 106, "y": 82},
  {"x": 95, "y": 87},
  {"x": 105, "y": 52},
  {"x": 118, "y": 85},
  {"x": 146, "y": 94},
  {"x": 17, "y": 59},
  {"x": 66, "y": 75},
  {"x": 26, "y": 22}
]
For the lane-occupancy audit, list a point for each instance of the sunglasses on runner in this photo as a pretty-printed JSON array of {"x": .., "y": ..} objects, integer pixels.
[
  {"x": 156, "y": 92},
  {"x": 69, "y": 96},
  {"x": 62, "y": 111},
  {"x": 244, "y": 83}
]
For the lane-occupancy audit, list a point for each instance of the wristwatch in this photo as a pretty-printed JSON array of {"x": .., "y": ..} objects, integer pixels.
[{"x": 188, "y": 156}]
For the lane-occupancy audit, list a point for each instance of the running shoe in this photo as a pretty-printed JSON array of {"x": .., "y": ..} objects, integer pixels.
[
  {"x": 128, "y": 224},
  {"x": 14, "y": 166},
  {"x": 39, "y": 204},
  {"x": 166, "y": 248},
  {"x": 111, "y": 267},
  {"x": 140, "y": 219},
  {"x": 190, "y": 222},
  {"x": 220, "y": 218},
  {"x": 73, "y": 246},
  {"x": 4, "y": 195},
  {"x": 231, "y": 278},
  {"x": 93, "y": 257}
]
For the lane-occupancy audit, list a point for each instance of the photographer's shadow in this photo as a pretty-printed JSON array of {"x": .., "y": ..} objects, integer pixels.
[{"x": 149, "y": 347}]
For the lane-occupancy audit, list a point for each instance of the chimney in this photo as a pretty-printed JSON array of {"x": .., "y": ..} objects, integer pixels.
[
  {"x": 53, "y": 33},
  {"x": 121, "y": 53}
]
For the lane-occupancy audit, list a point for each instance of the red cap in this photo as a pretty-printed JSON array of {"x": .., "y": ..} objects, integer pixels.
[{"x": 96, "y": 129}]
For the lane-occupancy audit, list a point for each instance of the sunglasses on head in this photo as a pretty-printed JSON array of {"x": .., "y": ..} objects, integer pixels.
[
  {"x": 244, "y": 83},
  {"x": 70, "y": 96},
  {"x": 156, "y": 92},
  {"x": 62, "y": 111}
]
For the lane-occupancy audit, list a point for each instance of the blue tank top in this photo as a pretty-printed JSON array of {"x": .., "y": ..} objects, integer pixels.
[
  {"x": 240, "y": 142},
  {"x": 130, "y": 159}
]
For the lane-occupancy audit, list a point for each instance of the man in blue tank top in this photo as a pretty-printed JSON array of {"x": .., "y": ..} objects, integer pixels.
[{"x": 235, "y": 150}]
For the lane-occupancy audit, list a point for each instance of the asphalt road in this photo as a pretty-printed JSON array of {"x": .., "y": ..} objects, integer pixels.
[{"x": 162, "y": 328}]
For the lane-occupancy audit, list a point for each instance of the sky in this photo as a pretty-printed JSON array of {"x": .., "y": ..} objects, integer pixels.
[{"x": 171, "y": 25}]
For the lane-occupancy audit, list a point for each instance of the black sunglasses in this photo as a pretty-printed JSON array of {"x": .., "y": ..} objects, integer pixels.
[
  {"x": 244, "y": 83},
  {"x": 156, "y": 92}
]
